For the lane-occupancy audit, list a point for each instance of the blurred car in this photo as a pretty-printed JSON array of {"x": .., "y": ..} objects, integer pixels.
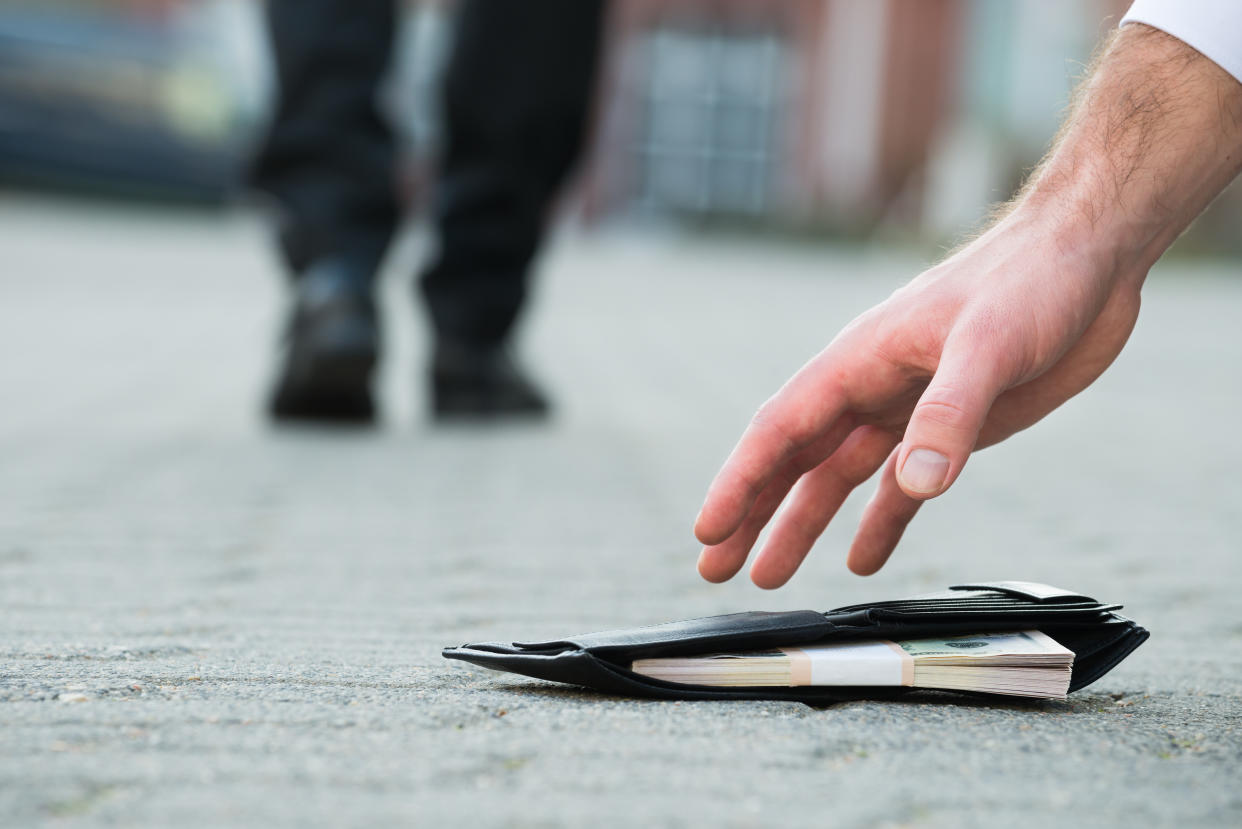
[{"x": 117, "y": 99}]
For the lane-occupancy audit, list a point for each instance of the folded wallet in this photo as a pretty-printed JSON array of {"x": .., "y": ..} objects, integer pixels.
[{"x": 1099, "y": 637}]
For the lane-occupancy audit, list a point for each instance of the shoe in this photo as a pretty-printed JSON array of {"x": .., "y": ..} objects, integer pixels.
[
  {"x": 472, "y": 381},
  {"x": 332, "y": 346}
]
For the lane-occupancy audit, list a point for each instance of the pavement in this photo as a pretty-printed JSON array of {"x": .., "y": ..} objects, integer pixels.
[{"x": 208, "y": 621}]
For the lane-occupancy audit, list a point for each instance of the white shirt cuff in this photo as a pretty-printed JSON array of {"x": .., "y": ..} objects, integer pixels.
[{"x": 1211, "y": 27}]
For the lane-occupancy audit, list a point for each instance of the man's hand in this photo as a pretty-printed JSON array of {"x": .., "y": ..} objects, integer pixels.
[
  {"x": 997, "y": 336},
  {"x": 970, "y": 352}
]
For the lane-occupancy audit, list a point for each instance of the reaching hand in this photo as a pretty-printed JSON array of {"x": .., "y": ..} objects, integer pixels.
[
  {"x": 973, "y": 350},
  {"x": 997, "y": 336}
]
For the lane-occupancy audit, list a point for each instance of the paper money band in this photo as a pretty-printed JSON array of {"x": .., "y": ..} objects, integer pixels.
[
  {"x": 907, "y": 663},
  {"x": 799, "y": 666},
  {"x": 876, "y": 663}
]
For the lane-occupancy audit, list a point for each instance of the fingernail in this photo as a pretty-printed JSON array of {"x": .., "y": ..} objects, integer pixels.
[{"x": 924, "y": 470}]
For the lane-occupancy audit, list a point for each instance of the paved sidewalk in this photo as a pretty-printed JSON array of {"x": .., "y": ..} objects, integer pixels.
[{"x": 205, "y": 621}]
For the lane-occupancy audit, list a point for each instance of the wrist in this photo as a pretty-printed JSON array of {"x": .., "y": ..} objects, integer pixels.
[
  {"x": 1155, "y": 134},
  {"x": 1097, "y": 248}
]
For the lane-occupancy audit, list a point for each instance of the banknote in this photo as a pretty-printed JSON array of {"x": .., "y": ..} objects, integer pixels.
[
  {"x": 1023, "y": 663},
  {"x": 1027, "y": 647}
]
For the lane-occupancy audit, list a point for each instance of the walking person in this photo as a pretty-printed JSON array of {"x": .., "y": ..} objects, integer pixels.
[{"x": 516, "y": 99}]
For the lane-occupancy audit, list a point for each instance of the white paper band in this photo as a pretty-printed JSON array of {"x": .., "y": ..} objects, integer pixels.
[{"x": 876, "y": 663}]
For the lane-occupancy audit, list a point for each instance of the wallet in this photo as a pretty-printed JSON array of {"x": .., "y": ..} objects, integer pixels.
[{"x": 1099, "y": 637}]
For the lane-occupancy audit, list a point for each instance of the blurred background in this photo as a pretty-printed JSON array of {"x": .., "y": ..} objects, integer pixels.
[
  {"x": 204, "y": 619},
  {"x": 895, "y": 119}
]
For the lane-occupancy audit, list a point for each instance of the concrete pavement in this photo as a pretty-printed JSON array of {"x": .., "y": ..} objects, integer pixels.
[{"x": 205, "y": 621}]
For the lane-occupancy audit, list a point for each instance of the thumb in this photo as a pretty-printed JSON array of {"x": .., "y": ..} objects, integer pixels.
[{"x": 945, "y": 424}]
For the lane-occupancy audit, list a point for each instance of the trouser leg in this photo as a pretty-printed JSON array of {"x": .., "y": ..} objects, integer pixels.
[
  {"x": 329, "y": 156},
  {"x": 516, "y": 99}
]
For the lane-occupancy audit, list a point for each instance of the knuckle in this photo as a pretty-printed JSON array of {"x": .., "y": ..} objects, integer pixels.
[
  {"x": 749, "y": 480},
  {"x": 866, "y": 450},
  {"x": 806, "y": 529},
  {"x": 942, "y": 410},
  {"x": 911, "y": 338},
  {"x": 848, "y": 474},
  {"x": 771, "y": 419}
]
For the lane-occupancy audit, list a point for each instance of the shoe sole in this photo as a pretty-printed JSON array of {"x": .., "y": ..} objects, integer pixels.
[{"x": 333, "y": 387}]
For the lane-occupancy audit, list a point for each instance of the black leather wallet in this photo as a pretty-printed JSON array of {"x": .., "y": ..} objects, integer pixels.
[{"x": 1099, "y": 637}]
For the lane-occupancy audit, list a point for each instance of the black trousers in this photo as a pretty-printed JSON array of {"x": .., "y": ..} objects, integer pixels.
[{"x": 516, "y": 96}]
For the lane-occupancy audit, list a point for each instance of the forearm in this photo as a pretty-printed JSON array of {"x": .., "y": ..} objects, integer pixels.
[{"x": 1155, "y": 134}]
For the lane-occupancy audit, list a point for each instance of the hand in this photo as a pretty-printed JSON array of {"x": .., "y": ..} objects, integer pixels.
[
  {"x": 973, "y": 350},
  {"x": 997, "y": 336}
]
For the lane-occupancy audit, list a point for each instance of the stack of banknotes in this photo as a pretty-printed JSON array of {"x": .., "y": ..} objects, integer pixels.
[{"x": 1026, "y": 663}]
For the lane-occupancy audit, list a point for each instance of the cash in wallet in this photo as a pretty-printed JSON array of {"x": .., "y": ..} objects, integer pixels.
[
  {"x": 1027, "y": 663},
  {"x": 1007, "y": 638}
]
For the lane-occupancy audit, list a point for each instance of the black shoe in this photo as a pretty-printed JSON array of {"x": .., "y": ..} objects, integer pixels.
[
  {"x": 470, "y": 381},
  {"x": 332, "y": 348}
]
